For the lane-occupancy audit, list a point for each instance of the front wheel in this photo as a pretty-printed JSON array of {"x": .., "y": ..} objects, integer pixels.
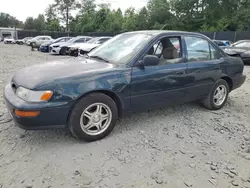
[
  {"x": 62, "y": 51},
  {"x": 218, "y": 95},
  {"x": 93, "y": 117}
]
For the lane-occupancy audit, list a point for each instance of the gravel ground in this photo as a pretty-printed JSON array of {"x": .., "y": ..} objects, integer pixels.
[{"x": 180, "y": 146}]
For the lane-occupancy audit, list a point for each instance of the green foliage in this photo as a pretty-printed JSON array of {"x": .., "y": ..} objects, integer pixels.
[
  {"x": 64, "y": 9},
  {"x": 7, "y": 20},
  {"x": 187, "y": 15}
]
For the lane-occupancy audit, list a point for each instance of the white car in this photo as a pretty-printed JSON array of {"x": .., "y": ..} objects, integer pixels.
[
  {"x": 9, "y": 40},
  {"x": 92, "y": 44},
  {"x": 28, "y": 41},
  {"x": 24, "y": 40},
  {"x": 39, "y": 40},
  {"x": 61, "y": 48}
]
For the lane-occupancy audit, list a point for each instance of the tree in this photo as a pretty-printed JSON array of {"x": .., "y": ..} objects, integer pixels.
[
  {"x": 7, "y": 20},
  {"x": 142, "y": 19},
  {"x": 129, "y": 20},
  {"x": 39, "y": 23},
  {"x": 159, "y": 13},
  {"x": 52, "y": 21},
  {"x": 29, "y": 23},
  {"x": 64, "y": 8}
]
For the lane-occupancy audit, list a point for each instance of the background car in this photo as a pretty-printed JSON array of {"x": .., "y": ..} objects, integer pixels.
[
  {"x": 23, "y": 41},
  {"x": 45, "y": 46},
  {"x": 9, "y": 40},
  {"x": 39, "y": 40},
  {"x": 240, "y": 49},
  {"x": 223, "y": 43},
  {"x": 28, "y": 41},
  {"x": 61, "y": 48},
  {"x": 88, "y": 46}
]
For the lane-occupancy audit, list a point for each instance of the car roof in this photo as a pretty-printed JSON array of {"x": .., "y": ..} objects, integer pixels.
[
  {"x": 83, "y": 37},
  {"x": 43, "y": 36},
  {"x": 160, "y": 32}
]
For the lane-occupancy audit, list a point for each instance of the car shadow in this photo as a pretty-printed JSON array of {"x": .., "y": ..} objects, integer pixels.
[{"x": 127, "y": 123}]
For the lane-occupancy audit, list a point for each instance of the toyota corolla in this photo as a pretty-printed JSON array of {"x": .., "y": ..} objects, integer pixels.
[{"x": 131, "y": 72}]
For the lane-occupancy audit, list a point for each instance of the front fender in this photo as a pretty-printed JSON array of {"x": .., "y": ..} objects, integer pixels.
[{"x": 71, "y": 89}]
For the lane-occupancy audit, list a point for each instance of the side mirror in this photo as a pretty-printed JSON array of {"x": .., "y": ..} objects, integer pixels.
[{"x": 151, "y": 60}]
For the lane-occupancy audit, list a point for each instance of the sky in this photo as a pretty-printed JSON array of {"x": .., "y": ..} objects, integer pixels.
[{"x": 21, "y": 9}]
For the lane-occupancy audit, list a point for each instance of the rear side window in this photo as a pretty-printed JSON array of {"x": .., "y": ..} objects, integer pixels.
[
  {"x": 103, "y": 40},
  {"x": 80, "y": 40},
  {"x": 199, "y": 49}
]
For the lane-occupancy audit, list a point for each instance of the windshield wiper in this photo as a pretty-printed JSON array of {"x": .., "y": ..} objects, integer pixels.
[{"x": 100, "y": 58}]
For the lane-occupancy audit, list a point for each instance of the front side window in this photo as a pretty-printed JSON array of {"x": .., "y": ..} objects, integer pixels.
[
  {"x": 167, "y": 50},
  {"x": 199, "y": 49},
  {"x": 122, "y": 48}
]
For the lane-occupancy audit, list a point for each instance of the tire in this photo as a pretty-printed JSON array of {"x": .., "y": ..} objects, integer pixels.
[
  {"x": 215, "y": 104},
  {"x": 62, "y": 51},
  {"x": 77, "y": 119},
  {"x": 21, "y": 43}
]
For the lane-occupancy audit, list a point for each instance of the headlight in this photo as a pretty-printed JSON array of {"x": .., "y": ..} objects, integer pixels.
[
  {"x": 33, "y": 96},
  {"x": 55, "y": 46}
]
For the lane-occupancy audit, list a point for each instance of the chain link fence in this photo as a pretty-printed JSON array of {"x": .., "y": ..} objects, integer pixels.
[{"x": 221, "y": 35}]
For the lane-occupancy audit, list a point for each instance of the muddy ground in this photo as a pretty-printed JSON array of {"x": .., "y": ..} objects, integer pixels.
[{"x": 180, "y": 146}]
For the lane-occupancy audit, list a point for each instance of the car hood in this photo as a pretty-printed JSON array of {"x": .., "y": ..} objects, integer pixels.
[
  {"x": 77, "y": 45},
  {"x": 88, "y": 47},
  {"x": 232, "y": 50},
  {"x": 37, "y": 75}
]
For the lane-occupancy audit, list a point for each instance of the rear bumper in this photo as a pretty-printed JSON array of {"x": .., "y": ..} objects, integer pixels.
[
  {"x": 52, "y": 114},
  {"x": 238, "y": 81}
]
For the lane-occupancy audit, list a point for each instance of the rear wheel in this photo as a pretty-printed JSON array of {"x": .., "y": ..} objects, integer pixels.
[
  {"x": 93, "y": 117},
  {"x": 218, "y": 95}
]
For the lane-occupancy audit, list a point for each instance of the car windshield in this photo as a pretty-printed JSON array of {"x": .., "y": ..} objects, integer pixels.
[
  {"x": 91, "y": 41},
  {"x": 121, "y": 48},
  {"x": 72, "y": 40}
]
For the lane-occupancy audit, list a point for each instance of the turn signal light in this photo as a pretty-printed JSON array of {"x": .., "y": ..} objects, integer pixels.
[
  {"x": 27, "y": 113},
  {"x": 46, "y": 96}
]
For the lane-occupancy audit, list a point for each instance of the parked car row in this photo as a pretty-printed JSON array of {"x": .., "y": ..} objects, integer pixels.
[
  {"x": 239, "y": 49},
  {"x": 73, "y": 46}
]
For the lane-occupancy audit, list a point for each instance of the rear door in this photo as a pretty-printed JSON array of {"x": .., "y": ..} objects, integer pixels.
[{"x": 203, "y": 64}]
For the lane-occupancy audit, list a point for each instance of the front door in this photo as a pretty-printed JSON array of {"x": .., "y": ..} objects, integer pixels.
[{"x": 162, "y": 84}]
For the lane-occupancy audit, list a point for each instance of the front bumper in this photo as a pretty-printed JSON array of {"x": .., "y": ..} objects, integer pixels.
[
  {"x": 44, "y": 48},
  {"x": 52, "y": 114},
  {"x": 238, "y": 81},
  {"x": 55, "y": 50},
  {"x": 73, "y": 52}
]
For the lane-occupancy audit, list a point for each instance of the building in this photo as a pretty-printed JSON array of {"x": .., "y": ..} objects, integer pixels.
[{"x": 8, "y": 31}]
